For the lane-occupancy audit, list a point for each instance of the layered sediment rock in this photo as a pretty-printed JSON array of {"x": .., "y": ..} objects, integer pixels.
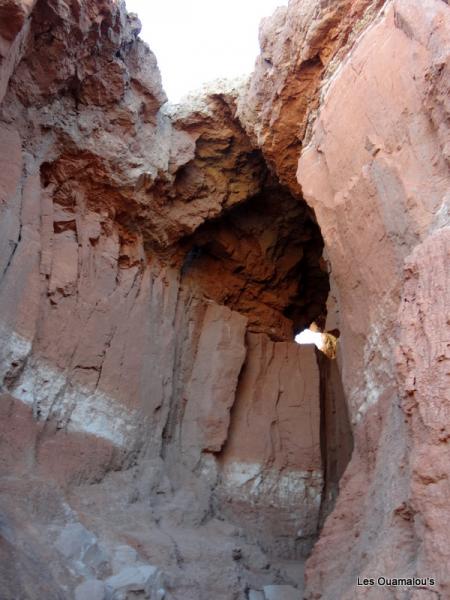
[
  {"x": 280, "y": 469},
  {"x": 161, "y": 432}
]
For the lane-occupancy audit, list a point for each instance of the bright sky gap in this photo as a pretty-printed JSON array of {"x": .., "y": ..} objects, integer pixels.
[{"x": 197, "y": 41}]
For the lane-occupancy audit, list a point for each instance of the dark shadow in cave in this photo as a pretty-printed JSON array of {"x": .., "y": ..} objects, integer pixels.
[
  {"x": 336, "y": 436},
  {"x": 262, "y": 258}
]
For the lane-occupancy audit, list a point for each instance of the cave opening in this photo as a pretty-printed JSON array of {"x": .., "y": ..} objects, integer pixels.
[
  {"x": 262, "y": 258},
  {"x": 307, "y": 336},
  {"x": 325, "y": 341}
]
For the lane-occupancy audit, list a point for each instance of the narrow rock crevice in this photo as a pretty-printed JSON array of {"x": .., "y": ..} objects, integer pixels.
[{"x": 336, "y": 436}]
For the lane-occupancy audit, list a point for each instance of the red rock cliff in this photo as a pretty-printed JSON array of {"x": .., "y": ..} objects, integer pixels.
[
  {"x": 373, "y": 142},
  {"x": 162, "y": 434}
]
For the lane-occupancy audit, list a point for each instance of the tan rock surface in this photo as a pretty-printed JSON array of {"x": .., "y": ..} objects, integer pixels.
[
  {"x": 272, "y": 481},
  {"x": 381, "y": 199}
]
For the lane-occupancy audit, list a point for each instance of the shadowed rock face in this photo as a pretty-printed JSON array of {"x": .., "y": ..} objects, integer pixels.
[
  {"x": 263, "y": 259},
  {"x": 160, "y": 430}
]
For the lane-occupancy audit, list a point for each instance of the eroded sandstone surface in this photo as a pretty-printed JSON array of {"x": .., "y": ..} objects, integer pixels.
[{"x": 162, "y": 436}]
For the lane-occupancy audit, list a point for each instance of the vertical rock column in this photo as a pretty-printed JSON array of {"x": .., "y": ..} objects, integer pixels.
[{"x": 271, "y": 463}]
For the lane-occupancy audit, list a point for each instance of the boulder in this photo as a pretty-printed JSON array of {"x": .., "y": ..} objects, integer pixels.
[
  {"x": 281, "y": 592},
  {"x": 92, "y": 589},
  {"x": 141, "y": 578}
]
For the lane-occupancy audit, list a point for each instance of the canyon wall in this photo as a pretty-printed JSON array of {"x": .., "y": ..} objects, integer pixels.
[
  {"x": 161, "y": 432},
  {"x": 373, "y": 144},
  {"x": 154, "y": 270},
  {"x": 381, "y": 198}
]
